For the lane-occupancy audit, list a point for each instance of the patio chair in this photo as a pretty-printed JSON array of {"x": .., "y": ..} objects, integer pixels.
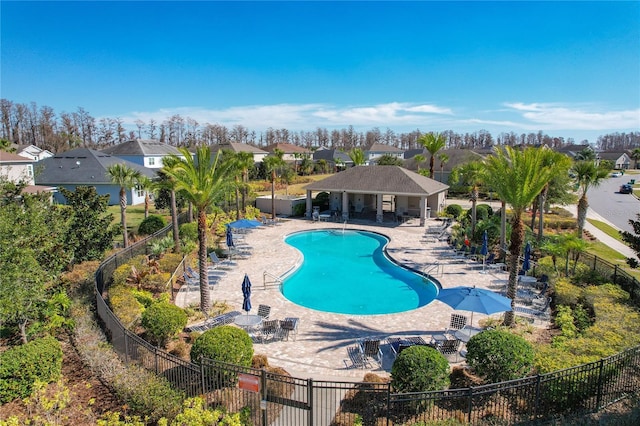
[
  {"x": 264, "y": 311},
  {"x": 449, "y": 347},
  {"x": 370, "y": 348},
  {"x": 270, "y": 330},
  {"x": 289, "y": 326},
  {"x": 456, "y": 322}
]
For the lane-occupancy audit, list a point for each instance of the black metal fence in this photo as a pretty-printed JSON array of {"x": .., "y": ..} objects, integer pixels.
[
  {"x": 278, "y": 399},
  {"x": 615, "y": 273}
]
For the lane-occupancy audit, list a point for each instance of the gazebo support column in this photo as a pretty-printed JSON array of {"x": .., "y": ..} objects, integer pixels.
[
  {"x": 379, "y": 214},
  {"x": 345, "y": 205},
  {"x": 423, "y": 210},
  {"x": 309, "y": 205}
]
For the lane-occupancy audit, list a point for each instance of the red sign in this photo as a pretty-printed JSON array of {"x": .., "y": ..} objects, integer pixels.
[{"x": 249, "y": 382}]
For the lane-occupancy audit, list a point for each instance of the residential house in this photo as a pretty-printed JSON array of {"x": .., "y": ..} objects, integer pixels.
[
  {"x": 148, "y": 153},
  {"x": 620, "y": 159},
  {"x": 441, "y": 171},
  {"x": 336, "y": 159},
  {"x": 258, "y": 154},
  {"x": 87, "y": 167},
  {"x": 377, "y": 150},
  {"x": 17, "y": 168},
  {"x": 291, "y": 152},
  {"x": 32, "y": 152}
]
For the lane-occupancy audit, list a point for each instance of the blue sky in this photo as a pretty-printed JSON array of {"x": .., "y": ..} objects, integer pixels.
[{"x": 570, "y": 69}]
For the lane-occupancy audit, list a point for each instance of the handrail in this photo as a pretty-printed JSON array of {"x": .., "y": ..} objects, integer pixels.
[
  {"x": 438, "y": 267},
  {"x": 275, "y": 279}
]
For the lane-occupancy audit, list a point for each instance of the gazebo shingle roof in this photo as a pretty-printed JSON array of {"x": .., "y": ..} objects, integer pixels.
[{"x": 379, "y": 180}]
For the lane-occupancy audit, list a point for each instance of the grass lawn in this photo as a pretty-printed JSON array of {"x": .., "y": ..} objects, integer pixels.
[
  {"x": 135, "y": 215},
  {"x": 606, "y": 228}
]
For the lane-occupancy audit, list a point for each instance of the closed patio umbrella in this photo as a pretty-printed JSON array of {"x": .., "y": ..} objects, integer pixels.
[
  {"x": 526, "y": 263},
  {"x": 485, "y": 248},
  {"x": 229, "y": 237},
  {"x": 246, "y": 294},
  {"x": 474, "y": 300}
]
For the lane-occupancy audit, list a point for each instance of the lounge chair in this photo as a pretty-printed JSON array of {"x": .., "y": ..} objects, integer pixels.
[
  {"x": 456, "y": 322},
  {"x": 221, "y": 264},
  {"x": 370, "y": 349},
  {"x": 449, "y": 347},
  {"x": 541, "y": 312},
  {"x": 264, "y": 311},
  {"x": 218, "y": 320}
]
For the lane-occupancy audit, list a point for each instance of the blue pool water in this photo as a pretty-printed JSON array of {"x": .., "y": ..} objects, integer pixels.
[{"x": 347, "y": 272}]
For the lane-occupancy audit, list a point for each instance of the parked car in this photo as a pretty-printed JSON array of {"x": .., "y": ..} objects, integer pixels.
[
  {"x": 616, "y": 174},
  {"x": 626, "y": 189}
]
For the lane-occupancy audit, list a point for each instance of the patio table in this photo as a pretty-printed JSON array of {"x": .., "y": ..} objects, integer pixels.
[
  {"x": 248, "y": 322},
  {"x": 466, "y": 333}
]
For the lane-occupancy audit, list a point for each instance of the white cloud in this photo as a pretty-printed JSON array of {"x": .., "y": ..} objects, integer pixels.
[
  {"x": 555, "y": 116},
  {"x": 304, "y": 116}
]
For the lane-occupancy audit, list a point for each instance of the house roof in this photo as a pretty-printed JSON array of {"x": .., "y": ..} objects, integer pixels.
[
  {"x": 331, "y": 155},
  {"x": 379, "y": 180},
  {"x": 380, "y": 147},
  {"x": 9, "y": 157},
  {"x": 287, "y": 148},
  {"x": 81, "y": 166},
  {"x": 142, "y": 147},
  {"x": 609, "y": 155},
  {"x": 456, "y": 157},
  {"x": 238, "y": 147}
]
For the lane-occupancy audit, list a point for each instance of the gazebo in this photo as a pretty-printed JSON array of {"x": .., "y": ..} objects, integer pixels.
[{"x": 381, "y": 189}]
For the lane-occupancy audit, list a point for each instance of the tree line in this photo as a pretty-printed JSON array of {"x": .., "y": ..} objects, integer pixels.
[{"x": 41, "y": 126}]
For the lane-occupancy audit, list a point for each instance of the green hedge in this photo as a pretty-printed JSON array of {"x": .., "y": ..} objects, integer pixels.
[
  {"x": 151, "y": 225},
  {"x": 163, "y": 320},
  {"x": 499, "y": 355},
  {"x": 21, "y": 366}
]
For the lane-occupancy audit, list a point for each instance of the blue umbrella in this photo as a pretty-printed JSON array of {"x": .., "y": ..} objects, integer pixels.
[
  {"x": 246, "y": 294},
  {"x": 474, "y": 300},
  {"x": 526, "y": 263},
  {"x": 244, "y": 224},
  {"x": 229, "y": 237}
]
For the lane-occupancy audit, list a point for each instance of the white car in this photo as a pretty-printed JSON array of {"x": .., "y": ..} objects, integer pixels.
[{"x": 616, "y": 174}]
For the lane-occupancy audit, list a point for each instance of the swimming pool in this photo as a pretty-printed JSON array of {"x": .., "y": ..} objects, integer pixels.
[{"x": 347, "y": 272}]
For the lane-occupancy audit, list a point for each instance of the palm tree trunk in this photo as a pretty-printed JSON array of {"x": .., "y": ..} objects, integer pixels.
[
  {"x": 123, "y": 216},
  {"x": 543, "y": 200},
  {"x": 237, "y": 199},
  {"x": 273, "y": 194},
  {"x": 244, "y": 192},
  {"x": 583, "y": 206},
  {"x": 534, "y": 212},
  {"x": 503, "y": 224},
  {"x": 517, "y": 238},
  {"x": 474, "y": 204},
  {"x": 147, "y": 201},
  {"x": 205, "y": 299},
  {"x": 174, "y": 222}
]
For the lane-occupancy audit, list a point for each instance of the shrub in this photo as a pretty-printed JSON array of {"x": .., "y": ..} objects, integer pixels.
[
  {"x": 125, "y": 306},
  {"x": 121, "y": 274},
  {"x": 419, "y": 369},
  {"x": 188, "y": 231},
  {"x": 454, "y": 210},
  {"x": 22, "y": 366},
  {"x": 151, "y": 225},
  {"x": 499, "y": 355},
  {"x": 169, "y": 262},
  {"x": 156, "y": 283},
  {"x": 163, "y": 320},
  {"x": 226, "y": 344}
]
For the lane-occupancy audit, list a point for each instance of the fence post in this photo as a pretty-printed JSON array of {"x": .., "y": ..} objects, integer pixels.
[
  {"x": 126, "y": 344},
  {"x": 204, "y": 391},
  {"x": 388, "y": 403},
  {"x": 263, "y": 397},
  {"x": 600, "y": 384},
  {"x": 309, "y": 401},
  {"x": 470, "y": 407},
  {"x": 536, "y": 405}
]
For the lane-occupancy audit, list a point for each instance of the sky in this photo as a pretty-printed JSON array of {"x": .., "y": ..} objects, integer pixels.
[{"x": 569, "y": 69}]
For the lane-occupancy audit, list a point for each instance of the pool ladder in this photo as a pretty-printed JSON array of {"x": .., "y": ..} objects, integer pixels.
[
  {"x": 435, "y": 269},
  {"x": 270, "y": 279}
]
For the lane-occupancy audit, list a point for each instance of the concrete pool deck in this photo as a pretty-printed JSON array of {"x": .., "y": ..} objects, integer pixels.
[{"x": 320, "y": 350}]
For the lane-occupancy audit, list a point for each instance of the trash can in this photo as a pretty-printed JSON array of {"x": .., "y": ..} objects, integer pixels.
[{"x": 428, "y": 212}]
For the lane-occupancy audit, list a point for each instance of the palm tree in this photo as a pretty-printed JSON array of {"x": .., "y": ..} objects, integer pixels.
[
  {"x": 418, "y": 158},
  {"x": 587, "y": 175},
  {"x": 272, "y": 163},
  {"x": 517, "y": 177},
  {"x": 125, "y": 177},
  {"x": 444, "y": 159},
  {"x": 471, "y": 174},
  {"x": 148, "y": 186},
  {"x": 560, "y": 164},
  {"x": 168, "y": 182},
  {"x": 245, "y": 161},
  {"x": 203, "y": 181},
  {"x": 357, "y": 156},
  {"x": 432, "y": 142}
]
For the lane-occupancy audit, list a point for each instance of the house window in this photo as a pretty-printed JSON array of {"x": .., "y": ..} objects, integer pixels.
[
  {"x": 30, "y": 170},
  {"x": 152, "y": 161},
  {"x": 139, "y": 191}
]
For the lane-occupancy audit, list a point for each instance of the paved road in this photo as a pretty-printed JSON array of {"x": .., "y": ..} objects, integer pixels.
[{"x": 616, "y": 208}]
